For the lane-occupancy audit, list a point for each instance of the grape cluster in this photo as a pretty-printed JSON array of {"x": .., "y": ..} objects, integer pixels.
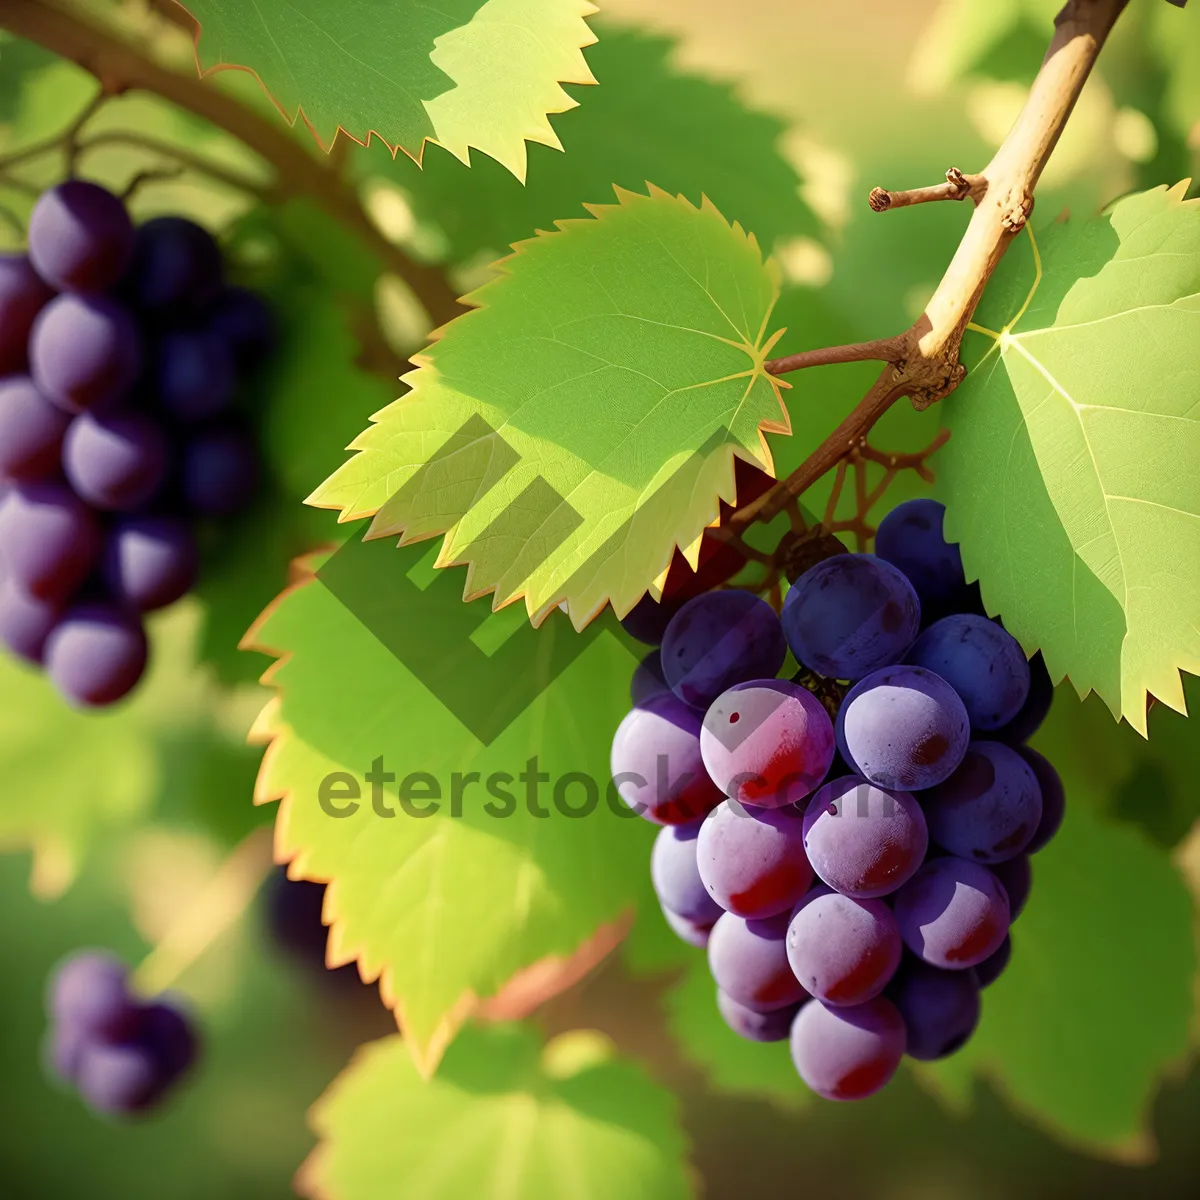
[
  {"x": 853, "y": 873},
  {"x": 122, "y": 1054},
  {"x": 120, "y": 352}
]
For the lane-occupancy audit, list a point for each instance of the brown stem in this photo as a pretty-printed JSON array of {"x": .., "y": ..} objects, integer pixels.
[
  {"x": 958, "y": 186},
  {"x": 880, "y": 350},
  {"x": 119, "y": 67},
  {"x": 930, "y": 368}
]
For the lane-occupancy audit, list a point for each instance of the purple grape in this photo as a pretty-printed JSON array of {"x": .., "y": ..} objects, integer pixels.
[
  {"x": 718, "y": 639},
  {"x": 843, "y": 951},
  {"x": 993, "y": 966},
  {"x": 989, "y": 809},
  {"x": 219, "y": 471},
  {"x": 648, "y": 680},
  {"x": 675, "y": 876},
  {"x": 647, "y": 620},
  {"x": 910, "y": 538},
  {"x": 903, "y": 727},
  {"x": 116, "y": 462},
  {"x": 62, "y": 1051},
  {"x": 753, "y": 1025},
  {"x": 23, "y": 294},
  {"x": 244, "y": 322},
  {"x": 850, "y": 615},
  {"x": 176, "y": 267},
  {"x": 864, "y": 841},
  {"x": 89, "y": 992},
  {"x": 1016, "y": 877},
  {"x": 981, "y": 661},
  {"x": 25, "y": 622},
  {"x": 1054, "y": 798},
  {"x": 767, "y": 742},
  {"x": 752, "y": 860},
  {"x": 847, "y": 1053},
  {"x": 656, "y": 763},
  {"x": 119, "y": 1080},
  {"x": 169, "y": 1036},
  {"x": 149, "y": 562},
  {"x": 1036, "y": 707},
  {"x": 96, "y": 655},
  {"x": 85, "y": 352},
  {"x": 952, "y": 913},
  {"x": 194, "y": 376},
  {"x": 748, "y": 959},
  {"x": 940, "y": 1008},
  {"x": 49, "y": 539},
  {"x": 31, "y": 430},
  {"x": 692, "y": 932},
  {"x": 80, "y": 237}
]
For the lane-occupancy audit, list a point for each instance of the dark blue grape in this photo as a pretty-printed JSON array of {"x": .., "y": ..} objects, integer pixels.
[
  {"x": 31, "y": 430},
  {"x": 850, "y": 615},
  {"x": 648, "y": 680},
  {"x": 150, "y": 561},
  {"x": 753, "y": 1025},
  {"x": 220, "y": 472},
  {"x": 993, "y": 966},
  {"x": 25, "y": 622},
  {"x": 119, "y": 1079},
  {"x": 647, "y": 620},
  {"x": 89, "y": 992},
  {"x": 169, "y": 1036},
  {"x": 49, "y": 539},
  {"x": 96, "y": 654},
  {"x": 1054, "y": 799},
  {"x": 194, "y": 375},
  {"x": 245, "y": 323},
  {"x": 718, "y": 639},
  {"x": 940, "y": 1008},
  {"x": 23, "y": 294},
  {"x": 910, "y": 538},
  {"x": 80, "y": 237},
  {"x": 1016, "y": 877},
  {"x": 952, "y": 913},
  {"x": 117, "y": 461},
  {"x": 1036, "y": 707},
  {"x": 175, "y": 269}
]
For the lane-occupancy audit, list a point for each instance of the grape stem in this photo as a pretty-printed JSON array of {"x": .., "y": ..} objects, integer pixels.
[
  {"x": 120, "y": 66},
  {"x": 922, "y": 362}
]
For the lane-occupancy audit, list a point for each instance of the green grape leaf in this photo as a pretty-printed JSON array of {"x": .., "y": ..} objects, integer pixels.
[
  {"x": 581, "y": 422},
  {"x": 647, "y": 120},
  {"x": 505, "y": 1116},
  {"x": 481, "y": 73},
  {"x": 1072, "y": 478},
  {"x": 444, "y": 908},
  {"x": 1096, "y": 1004}
]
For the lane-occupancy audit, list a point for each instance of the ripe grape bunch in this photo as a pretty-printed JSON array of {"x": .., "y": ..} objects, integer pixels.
[
  {"x": 121, "y": 1053},
  {"x": 852, "y": 874},
  {"x": 120, "y": 353}
]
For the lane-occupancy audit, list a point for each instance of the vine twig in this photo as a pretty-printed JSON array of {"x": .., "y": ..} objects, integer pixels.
[{"x": 958, "y": 186}]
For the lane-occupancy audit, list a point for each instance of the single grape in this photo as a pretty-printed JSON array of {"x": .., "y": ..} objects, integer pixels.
[
  {"x": 910, "y": 538},
  {"x": 748, "y": 959},
  {"x": 149, "y": 562},
  {"x": 847, "y": 1053},
  {"x": 648, "y": 680},
  {"x": 62, "y": 1051},
  {"x": 89, "y": 992},
  {"x": 25, "y": 622},
  {"x": 23, "y": 294},
  {"x": 117, "y": 461},
  {"x": 993, "y": 966},
  {"x": 675, "y": 876},
  {"x": 194, "y": 375},
  {"x": 692, "y": 932},
  {"x": 175, "y": 269},
  {"x": 648, "y": 619},
  {"x": 1054, "y": 798},
  {"x": 981, "y": 661},
  {"x": 31, "y": 430},
  {"x": 1016, "y": 877},
  {"x": 219, "y": 471},
  {"x": 49, "y": 539},
  {"x": 96, "y": 654},
  {"x": 952, "y": 913},
  {"x": 864, "y": 841},
  {"x": 940, "y": 1008},
  {"x": 753, "y": 1025},
  {"x": 244, "y": 322},
  {"x": 989, "y": 809},
  {"x": 850, "y": 615},
  {"x": 903, "y": 727},
  {"x": 120, "y": 1079},
  {"x": 1036, "y": 707},
  {"x": 85, "y": 352},
  {"x": 80, "y": 237},
  {"x": 843, "y": 951},
  {"x": 169, "y": 1036},
  {"x": 752, "y": 860},
  {"x": 656, "y": 764},
  {"x": 718, "y": 639}
]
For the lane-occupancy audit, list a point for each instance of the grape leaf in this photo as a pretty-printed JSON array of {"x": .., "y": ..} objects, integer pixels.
[
  {"x": 582, "y": 422},
  {"x": 504, "y": 1117},
  {"x": 1072, "y": 477},
  {"x": 647, "y": 120},
  {"x": 1096, "y": 1004},
  {"x": 443, "y": 908},
  {"x": 482, "y": 73}
]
